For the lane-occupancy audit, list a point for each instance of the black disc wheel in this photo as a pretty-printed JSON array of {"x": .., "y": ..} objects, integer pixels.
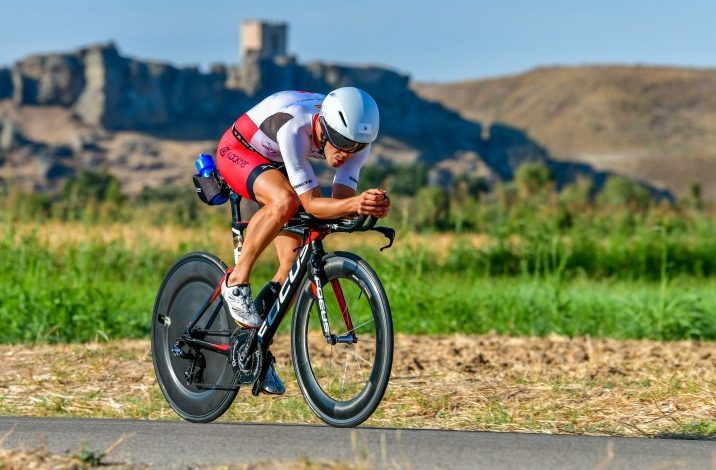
[
  {"x": 188, "y": 285},
  {"x": 344, "y": 382}
]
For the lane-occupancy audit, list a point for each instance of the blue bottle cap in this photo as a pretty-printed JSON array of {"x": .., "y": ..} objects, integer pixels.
[{"x": 205, "y": 164}]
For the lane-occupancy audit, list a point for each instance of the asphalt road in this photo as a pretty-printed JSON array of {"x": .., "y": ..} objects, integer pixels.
[{"x": 177, "y": 444}]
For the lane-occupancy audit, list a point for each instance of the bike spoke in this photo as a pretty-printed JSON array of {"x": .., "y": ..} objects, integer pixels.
[
  {"x": 345, "y": 373},
  {"x": 320, "y": 350},
  {"x": 356, "y": 327},
  {"x": 358, "y": 359},
  {"x": 330, "y": 363}
]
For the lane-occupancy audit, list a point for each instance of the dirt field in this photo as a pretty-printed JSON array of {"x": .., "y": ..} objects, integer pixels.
[{"x": 554, "y": 385}]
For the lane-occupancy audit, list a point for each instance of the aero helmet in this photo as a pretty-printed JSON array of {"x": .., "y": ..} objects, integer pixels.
[{"x": 349, "y": 119}]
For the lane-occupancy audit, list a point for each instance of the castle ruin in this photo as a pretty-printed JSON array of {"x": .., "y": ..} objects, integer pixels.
[{"x": 262, "y": 40}]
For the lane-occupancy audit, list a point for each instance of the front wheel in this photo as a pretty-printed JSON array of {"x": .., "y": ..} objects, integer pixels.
[{"x": 343, "y": 383}]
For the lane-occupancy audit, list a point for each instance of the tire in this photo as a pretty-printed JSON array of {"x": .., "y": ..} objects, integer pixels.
[
  {"x": 187, "y": 285},
  {"x": 343, "y": 401}
]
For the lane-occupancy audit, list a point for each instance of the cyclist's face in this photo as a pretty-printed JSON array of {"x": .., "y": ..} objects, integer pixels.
[{"x": 336, "y": 157}]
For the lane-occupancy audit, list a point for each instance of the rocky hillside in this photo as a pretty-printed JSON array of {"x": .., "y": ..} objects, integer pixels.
[
  {"x": 145, "y": 121},
  {"x": 655, "y": 124}
]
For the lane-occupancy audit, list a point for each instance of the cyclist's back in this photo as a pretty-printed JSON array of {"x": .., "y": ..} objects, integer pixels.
[{"x": 261, "y": 124}]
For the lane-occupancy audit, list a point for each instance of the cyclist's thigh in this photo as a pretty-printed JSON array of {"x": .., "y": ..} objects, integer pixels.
[{"x": 272, "y": 186}]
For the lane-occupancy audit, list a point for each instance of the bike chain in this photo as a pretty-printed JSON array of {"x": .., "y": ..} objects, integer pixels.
[
  {"x": 205, "y": 386},
  {"x": 218, "y": 333},
  {"x": 241, "y": 376}
]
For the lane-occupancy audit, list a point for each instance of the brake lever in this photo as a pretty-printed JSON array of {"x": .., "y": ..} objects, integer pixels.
[{"x": 388, "y": 232}]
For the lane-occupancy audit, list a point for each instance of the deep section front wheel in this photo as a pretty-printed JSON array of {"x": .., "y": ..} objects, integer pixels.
[
  {"x": 186, "y": 287},
  {"x": 343, "y": 383}
]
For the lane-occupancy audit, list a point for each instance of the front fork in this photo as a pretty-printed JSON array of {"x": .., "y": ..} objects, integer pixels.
[{"x": 317, "y": 287}]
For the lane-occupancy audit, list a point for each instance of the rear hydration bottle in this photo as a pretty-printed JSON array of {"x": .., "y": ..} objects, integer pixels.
[{"x": 206, "y": 167}]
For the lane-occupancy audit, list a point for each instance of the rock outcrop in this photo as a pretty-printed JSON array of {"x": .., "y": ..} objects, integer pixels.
[
  {"x": 109, "y": 92},
  {"x": 5, "y": 83},
  {"x": 125, "y": 94},
  {"x": 55, "y": 79}
]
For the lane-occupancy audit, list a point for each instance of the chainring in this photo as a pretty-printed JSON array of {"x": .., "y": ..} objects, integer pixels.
[{"x": 247, "y": 367}]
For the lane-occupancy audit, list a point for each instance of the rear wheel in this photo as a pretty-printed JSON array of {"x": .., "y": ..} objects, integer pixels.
[
  {"x": 190, "y": 283},
  {"x": 344, "y": 383}
]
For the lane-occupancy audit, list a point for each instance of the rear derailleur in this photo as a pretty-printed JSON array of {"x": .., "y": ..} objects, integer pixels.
[{"x": 197, "y": 362}]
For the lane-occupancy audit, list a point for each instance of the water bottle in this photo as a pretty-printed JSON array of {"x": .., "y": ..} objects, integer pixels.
[{"x": 205, "y": 165}]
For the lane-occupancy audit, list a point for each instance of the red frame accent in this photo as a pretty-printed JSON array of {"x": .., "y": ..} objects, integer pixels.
[
  {"x": 221, "y": 347},
  {"x": 218, "y": 289},
  {"x": 314, "y": 235},
  {"x": 344, "y": 307}
]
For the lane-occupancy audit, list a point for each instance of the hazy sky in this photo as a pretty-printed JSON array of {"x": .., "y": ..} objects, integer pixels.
[{"x": 432, "y": 41}]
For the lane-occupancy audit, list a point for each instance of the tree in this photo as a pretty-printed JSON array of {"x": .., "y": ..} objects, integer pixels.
[
  {"x": 433, "y": 208},
  {"x": 86, "y": 191},
  {"x": 533, "y": 177},
  {"x": 621, "y": 191}
]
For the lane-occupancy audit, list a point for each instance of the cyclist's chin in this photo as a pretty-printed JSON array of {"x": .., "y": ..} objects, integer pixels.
[{"x": 336, "y": 163}]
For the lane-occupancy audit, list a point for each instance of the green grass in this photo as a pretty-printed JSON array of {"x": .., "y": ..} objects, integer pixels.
[
  {"x": 96, "y": 290},
  {"x": 684, "y": 308}
]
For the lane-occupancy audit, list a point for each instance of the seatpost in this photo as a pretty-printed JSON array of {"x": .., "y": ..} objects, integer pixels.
[{"x": 237, "y": 227}]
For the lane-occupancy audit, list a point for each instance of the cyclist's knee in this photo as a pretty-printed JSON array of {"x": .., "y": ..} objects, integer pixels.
[{"x": 285, "y": 203}]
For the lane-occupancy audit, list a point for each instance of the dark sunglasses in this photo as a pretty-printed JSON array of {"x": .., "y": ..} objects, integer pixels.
[{"x": 338, "y": 141}]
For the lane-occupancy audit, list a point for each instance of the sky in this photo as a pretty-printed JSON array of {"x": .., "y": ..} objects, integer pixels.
[{"x": 443, "y": 41}]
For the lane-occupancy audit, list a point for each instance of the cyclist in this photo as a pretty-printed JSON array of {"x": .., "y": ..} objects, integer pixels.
[{"x": 265, "y": 156}]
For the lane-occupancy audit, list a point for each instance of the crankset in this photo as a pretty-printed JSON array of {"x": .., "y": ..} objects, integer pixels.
[{"x": 246, "y": 364}]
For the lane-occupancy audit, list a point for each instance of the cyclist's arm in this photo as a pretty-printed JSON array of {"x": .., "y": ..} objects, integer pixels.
[
  {"x": 294, "y": 141},
  {"x": 341, "y": 191},
  {"x": 371, "y": 202}
]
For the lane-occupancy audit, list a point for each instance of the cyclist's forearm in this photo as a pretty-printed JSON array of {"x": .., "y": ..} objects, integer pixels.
[{"x": 330, "y": 208}]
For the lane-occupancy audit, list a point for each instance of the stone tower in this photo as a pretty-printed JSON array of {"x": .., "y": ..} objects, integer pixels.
[{"x": 262, "y": 40}]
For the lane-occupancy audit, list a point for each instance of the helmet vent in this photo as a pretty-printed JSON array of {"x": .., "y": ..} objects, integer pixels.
[{"x": 342, "y": 118}]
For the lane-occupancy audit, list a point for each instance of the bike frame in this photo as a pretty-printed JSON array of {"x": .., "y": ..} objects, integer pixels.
[{"x": 309, "y": 258}]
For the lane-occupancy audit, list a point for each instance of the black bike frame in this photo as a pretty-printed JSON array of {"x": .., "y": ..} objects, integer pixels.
[{"x": 310, "y": 256}]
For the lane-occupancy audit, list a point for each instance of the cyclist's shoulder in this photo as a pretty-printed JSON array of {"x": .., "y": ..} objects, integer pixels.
[
  {"x": 294, "y": 98},
  {"x": 287, "y": 105}
]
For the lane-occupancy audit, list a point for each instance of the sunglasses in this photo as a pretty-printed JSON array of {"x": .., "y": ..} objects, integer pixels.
[{"x": 338, "y": 141}]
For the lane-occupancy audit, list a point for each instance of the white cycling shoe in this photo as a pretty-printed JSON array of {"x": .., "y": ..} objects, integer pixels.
[{"x": 241, "y": 305}]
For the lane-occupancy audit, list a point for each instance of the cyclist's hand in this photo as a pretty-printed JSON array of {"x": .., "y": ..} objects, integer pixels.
[{"x": 373, "y": 202}]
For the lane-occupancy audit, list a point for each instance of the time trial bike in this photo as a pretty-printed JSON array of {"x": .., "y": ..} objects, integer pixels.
[{"x": 341, "y": 331}]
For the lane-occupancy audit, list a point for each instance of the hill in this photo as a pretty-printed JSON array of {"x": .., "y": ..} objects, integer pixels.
[
  {"x": 655, "y": 124},
  {"x": 145, "y": 121}
]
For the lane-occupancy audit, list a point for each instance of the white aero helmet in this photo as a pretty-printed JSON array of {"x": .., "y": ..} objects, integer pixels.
[{"x": 349, "y": 119}]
